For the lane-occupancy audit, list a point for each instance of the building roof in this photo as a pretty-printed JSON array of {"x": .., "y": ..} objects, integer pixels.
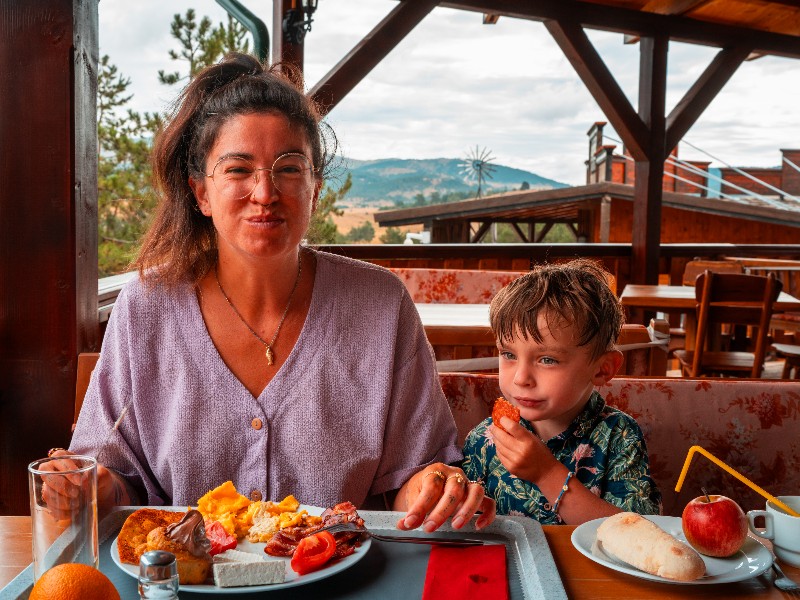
[{"x": 563, "y": 205}]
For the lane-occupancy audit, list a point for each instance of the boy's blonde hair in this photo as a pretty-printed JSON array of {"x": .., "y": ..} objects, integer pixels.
[{"x": 573, "y": 293}]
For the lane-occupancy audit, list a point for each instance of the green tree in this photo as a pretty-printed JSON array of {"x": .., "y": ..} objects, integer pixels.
[
  {"x": 322, "y": 229},
  {"x": 125, "y": 194},
  {"x": 202, "y": 44},
  {"x": 392, "y": 235},
  {"x": 362, "y": 233}
]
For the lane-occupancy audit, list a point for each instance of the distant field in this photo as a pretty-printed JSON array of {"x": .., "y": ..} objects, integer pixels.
[{"x": 353, "y": 217}]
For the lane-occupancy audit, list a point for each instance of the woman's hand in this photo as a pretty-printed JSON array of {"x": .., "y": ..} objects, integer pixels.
[
  {"x": 522, "y": 453},
  {"x": 439, "y": 492},
  {"x": 60, "y": 492}
]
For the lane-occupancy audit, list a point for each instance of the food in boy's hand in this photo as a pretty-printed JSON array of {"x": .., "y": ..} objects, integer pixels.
[
  {"x": 220, "y": 539},
  {"x": 642, "y": 544},
  {"x": 132, "y": 539},
  {"x": 187, "y": 540},
  {"x": 714, "y": 525},
  {"x": 504, "y": 408}
]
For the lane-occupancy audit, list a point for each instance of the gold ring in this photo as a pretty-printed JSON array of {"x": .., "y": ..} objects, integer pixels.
[
  {"x": 458, "y": 477},
  {"x": 53, "y": 451},
  {"x": 438, "y": 474}
]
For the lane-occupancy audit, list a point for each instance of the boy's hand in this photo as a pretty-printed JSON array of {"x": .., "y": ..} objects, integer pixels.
[{"x": 521, "y": 452}]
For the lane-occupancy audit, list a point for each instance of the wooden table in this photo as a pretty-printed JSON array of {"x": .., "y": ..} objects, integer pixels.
[
  {"x": 582, "y": 578},
  {"x": 681, "y": 299}
]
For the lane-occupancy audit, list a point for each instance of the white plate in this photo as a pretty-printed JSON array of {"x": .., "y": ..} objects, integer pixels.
[
  {"x": 752, "y": 560},
  {"x": 292, "y": 578}
]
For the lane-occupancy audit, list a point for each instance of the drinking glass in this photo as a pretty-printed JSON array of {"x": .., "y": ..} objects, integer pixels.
[{"x": 63, "y": 496}]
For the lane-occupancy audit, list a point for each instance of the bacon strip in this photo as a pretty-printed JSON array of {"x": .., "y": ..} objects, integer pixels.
[{"x": 284, "y": 542}]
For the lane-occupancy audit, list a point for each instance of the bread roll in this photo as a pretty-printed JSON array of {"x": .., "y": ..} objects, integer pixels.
[{"x": 644, "y": 545}]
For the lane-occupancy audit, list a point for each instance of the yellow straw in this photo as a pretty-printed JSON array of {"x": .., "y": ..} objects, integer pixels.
[{"x": 733, "y": 472}]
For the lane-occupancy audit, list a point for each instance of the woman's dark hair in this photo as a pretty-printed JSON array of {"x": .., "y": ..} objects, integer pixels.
[{"x": 180, "y": 244}]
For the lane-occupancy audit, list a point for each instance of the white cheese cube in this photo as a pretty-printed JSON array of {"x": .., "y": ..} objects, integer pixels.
[{"x": 235, "y": 574}]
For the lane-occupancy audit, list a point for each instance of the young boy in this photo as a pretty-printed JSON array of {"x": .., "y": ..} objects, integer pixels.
[{"x": 570, "y": 458}]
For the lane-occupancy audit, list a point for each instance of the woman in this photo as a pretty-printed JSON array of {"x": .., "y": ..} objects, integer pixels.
[{"x": 240, "y": 354}]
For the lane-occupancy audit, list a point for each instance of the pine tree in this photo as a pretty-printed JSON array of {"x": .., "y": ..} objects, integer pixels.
[
  {"x": 202, "y": 44},
  {"x": 125, "y": 194}
]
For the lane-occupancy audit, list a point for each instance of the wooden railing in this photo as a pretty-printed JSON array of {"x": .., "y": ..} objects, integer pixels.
[{"x": 518, "y": 257}]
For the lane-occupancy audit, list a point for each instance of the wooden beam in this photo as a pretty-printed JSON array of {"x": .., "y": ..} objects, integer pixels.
[
  {"x": 638, "y": 23},
  {"x": 48, "y": 230},
  {"x": 545, "y": 230},
  {"x": 702, "y": 92},
  {"x": 605, "y": 219},
  {"x": 349, "y": 71},
  {"x": 519, "y": 231},
  {"x": 590, "y": 67},
  {"x": 648, "y": 190},
  {"x": 484, "y": 227}
]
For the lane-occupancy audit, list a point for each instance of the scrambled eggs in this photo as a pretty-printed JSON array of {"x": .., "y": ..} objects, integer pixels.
[{"x": 258, "y": 520}]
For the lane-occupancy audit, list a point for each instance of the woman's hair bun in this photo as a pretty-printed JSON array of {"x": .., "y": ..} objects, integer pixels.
[{"x": 230, "y": 68}]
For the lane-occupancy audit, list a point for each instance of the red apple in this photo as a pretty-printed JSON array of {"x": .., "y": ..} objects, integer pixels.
[{"x": 714, "y": 525}]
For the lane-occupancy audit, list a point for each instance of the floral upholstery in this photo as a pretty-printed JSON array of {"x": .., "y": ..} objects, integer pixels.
[
  {"x": 454, "y": 286},
  {"x": 751, "y": 425}
]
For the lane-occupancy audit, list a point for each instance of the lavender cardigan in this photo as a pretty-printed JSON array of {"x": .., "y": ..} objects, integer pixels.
[{"x": 354, "y": 411}]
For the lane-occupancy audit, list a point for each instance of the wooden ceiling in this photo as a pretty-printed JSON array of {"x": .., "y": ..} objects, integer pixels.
[
  {"x": 775, "y": 16},
  {"x": 773, "y": 26}
]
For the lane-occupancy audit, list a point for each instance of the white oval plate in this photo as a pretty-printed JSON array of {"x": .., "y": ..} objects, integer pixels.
[
  {"x": 292, "y": 578},
  {"x": 752, "y": 560}
]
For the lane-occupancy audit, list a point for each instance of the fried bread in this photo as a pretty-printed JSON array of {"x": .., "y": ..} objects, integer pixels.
[{"x": 132, "y": 540}]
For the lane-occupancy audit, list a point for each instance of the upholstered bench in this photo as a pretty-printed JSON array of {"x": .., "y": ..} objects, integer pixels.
[
  {"x": 454, "y": 286},
  {"x": 752, "y": 425}
]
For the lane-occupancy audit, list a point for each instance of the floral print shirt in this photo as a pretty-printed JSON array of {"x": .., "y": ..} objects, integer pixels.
[{"x": 603, "y": 447}]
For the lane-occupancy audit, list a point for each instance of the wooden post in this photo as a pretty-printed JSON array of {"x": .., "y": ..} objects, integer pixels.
[
  {"x": 48, "y": 229},
  {"x": 648, "y": 192},
  {"x": 283, "y": 50}
]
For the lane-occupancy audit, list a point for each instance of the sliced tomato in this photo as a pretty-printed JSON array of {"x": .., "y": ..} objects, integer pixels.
[
  {"x": 313, "y": 552},
  {"x": 219, "y": 538}
]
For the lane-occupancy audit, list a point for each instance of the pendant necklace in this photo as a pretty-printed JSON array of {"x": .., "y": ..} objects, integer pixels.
[{"x": 270, "y": 353}]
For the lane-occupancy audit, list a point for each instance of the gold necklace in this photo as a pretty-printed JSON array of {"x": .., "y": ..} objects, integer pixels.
[{"x": 270, "y": 353}]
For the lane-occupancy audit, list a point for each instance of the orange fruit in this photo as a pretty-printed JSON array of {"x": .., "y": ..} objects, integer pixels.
[{"x": 72, "y": 581}]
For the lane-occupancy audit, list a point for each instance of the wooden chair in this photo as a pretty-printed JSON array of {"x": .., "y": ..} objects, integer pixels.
[
  {"x": 692, "y": 270},
  {"x": 86, "y": 364},
  {"x": 695, "y": 268},
  {"x": 735, "y": 300}
]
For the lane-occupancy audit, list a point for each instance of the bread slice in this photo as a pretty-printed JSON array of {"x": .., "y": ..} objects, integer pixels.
[
  {"x": 236, "y": 574},
  {"x": 642, "y": 544},
  {"x": 132, "y": 539}
]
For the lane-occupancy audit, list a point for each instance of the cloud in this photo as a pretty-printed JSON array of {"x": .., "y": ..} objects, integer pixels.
[{"x": 454, "y": 83}]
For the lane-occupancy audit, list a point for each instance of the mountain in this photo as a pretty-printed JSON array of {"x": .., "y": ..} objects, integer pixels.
[{"x": 388, "y": 181}]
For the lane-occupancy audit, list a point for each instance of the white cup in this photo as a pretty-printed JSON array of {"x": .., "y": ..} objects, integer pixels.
[
  {"x": 780, "y": 527},
  {"x": 63, "y": 495}
]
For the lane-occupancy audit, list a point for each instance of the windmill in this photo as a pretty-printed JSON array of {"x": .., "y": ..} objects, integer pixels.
[{"x": 477, "y": 166}]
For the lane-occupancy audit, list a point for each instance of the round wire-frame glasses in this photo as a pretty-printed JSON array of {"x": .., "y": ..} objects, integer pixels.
[{"x": 236, "y": 177}]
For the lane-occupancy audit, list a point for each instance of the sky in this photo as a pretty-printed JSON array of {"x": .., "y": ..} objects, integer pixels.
[{"x": 454, "y": 84}]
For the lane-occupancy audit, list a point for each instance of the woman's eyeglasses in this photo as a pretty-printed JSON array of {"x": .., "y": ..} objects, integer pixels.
[{"x": 235, "y": 178}]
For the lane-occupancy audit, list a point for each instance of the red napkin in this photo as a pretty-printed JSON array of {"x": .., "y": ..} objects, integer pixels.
[{"x": 471, "y": 572}]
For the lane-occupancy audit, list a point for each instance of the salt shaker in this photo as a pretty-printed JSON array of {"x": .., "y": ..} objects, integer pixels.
[{"x": 158, "y": 576}]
